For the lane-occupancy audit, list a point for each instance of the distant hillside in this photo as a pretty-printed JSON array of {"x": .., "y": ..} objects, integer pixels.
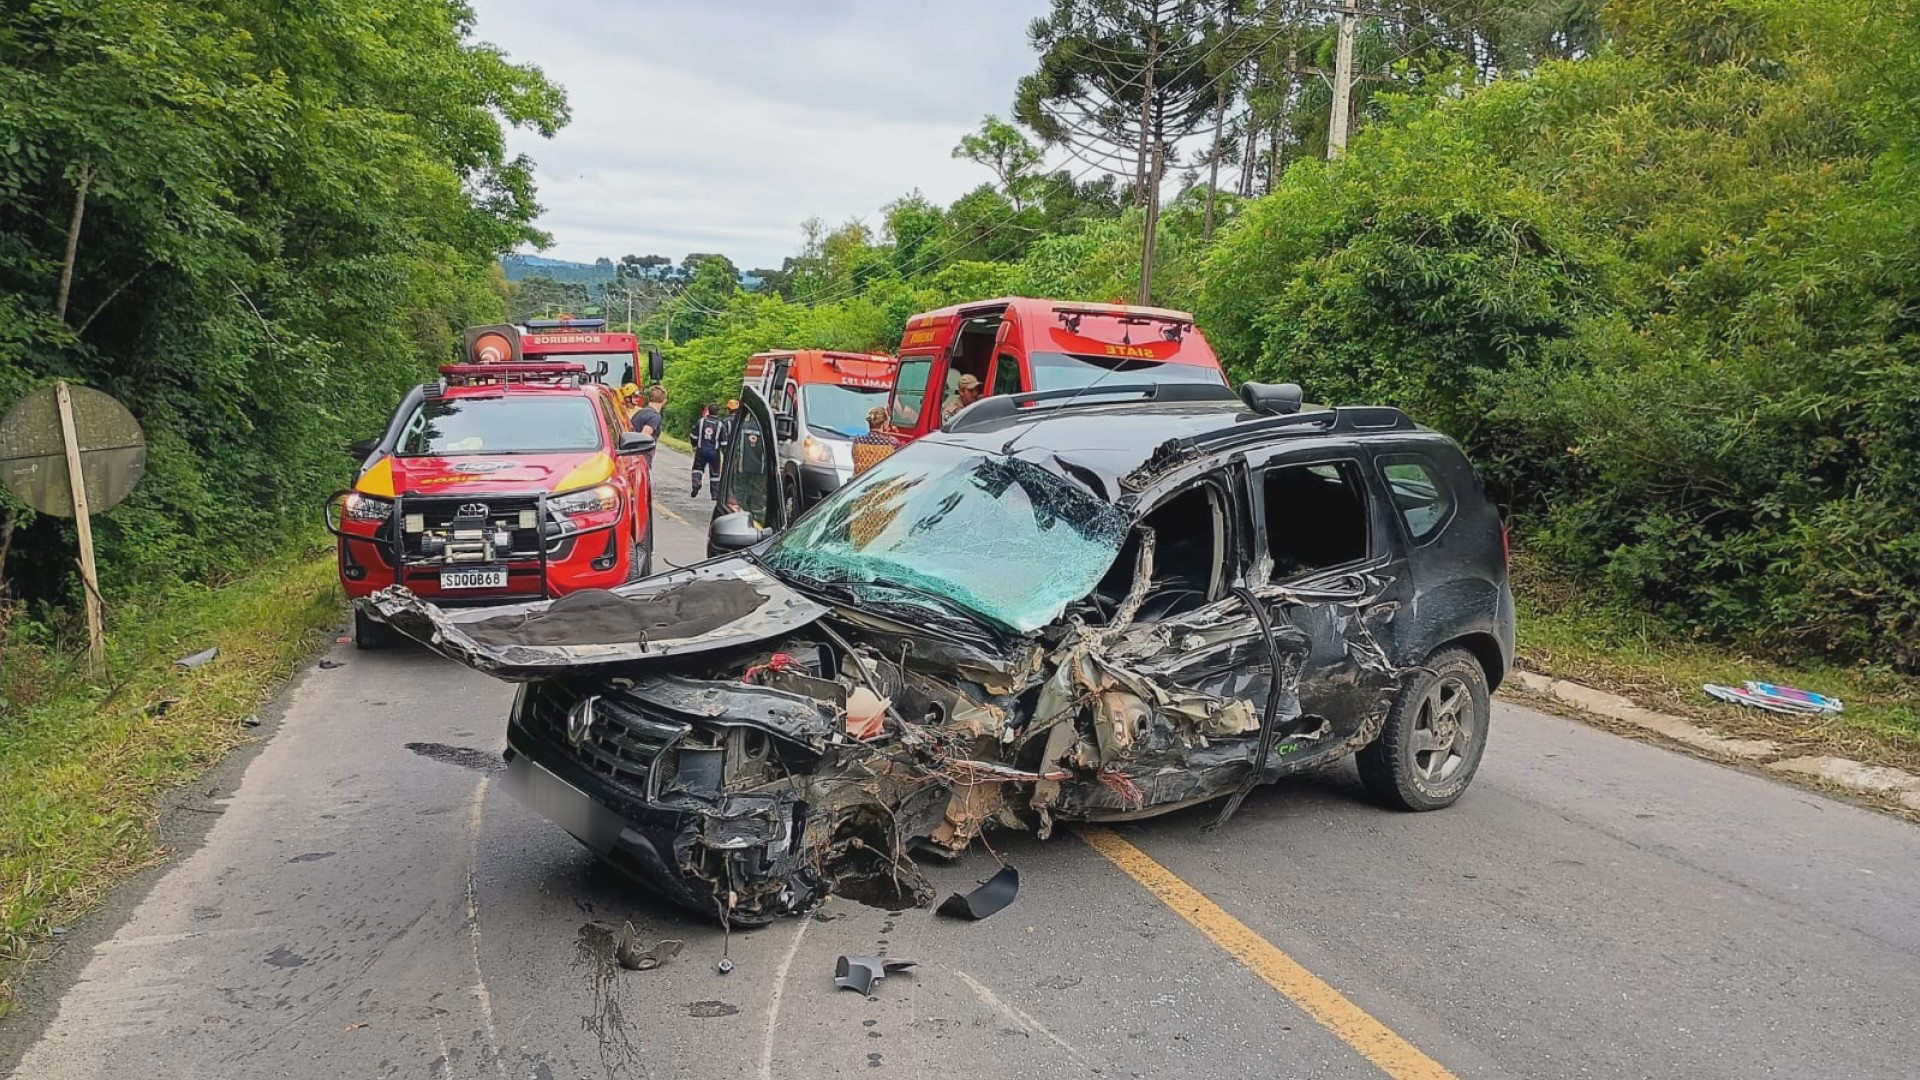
[
  {"x": 598, "y": 272},
  {"x": 518, "y": 267}
]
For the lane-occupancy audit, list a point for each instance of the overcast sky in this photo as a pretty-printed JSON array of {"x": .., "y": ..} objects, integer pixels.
[{"x": 707, "y": 125}]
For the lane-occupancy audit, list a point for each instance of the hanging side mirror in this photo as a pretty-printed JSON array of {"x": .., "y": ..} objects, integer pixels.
[
  {"x": 731, "y": 532},
  {"x": 1271, "y": 399},
  {"x": 362, "y": 449},
  {"x": 634, "y": 442}
]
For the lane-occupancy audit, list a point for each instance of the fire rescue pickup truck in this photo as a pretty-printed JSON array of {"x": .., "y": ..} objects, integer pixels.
[{"x": 509, "y": 479}]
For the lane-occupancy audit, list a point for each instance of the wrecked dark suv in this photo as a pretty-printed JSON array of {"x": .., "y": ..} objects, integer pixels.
[{"x": 1090, "y": 605}]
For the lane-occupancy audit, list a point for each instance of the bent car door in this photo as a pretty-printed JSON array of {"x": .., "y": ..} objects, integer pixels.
[
  {"x": 1334, "y": 574},
  {"x": 750, "y": 469}
]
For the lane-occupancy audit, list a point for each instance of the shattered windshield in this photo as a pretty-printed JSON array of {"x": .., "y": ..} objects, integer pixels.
[{"x": 1002, "y": 538}]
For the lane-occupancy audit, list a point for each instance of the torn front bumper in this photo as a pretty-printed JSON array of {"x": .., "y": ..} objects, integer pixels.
[{"x": 735, "y": 856}]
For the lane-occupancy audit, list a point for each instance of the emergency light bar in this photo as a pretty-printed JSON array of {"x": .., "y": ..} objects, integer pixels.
[
  {"x": 566, "y": 324},
  {"x": 487, "y": 374},
  {"x": 1177, "y": 321}
]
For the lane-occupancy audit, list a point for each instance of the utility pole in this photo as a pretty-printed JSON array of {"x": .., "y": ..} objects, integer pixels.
[
  {"x": 1150, "y": 163},
  {"x": 1342, "y": 81}
]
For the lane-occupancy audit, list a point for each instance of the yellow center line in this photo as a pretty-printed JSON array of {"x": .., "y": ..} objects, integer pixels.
[
  {"x": 661, "y": 507},
  {"x": 1378, "y": 1043}
]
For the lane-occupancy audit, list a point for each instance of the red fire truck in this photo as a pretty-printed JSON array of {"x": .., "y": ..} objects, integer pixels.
[
  {"x": 587, "y": 342},
  {"x": 1017, "y": 345},
  {"x": 509, "y": 479}
]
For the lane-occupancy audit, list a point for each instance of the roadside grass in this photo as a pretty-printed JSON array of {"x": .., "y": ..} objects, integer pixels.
[
  {"x": 676, "y": 442},
  {"x": 1566, "y": 636},
  {"x": 83, "y": 762}
]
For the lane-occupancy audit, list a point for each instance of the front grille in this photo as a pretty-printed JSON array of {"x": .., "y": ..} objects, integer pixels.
[
  {"x": 454, "y": 529},
  {"x": 623, "y": 745}
]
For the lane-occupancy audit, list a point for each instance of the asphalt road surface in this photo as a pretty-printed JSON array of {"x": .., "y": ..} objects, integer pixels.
[{"x": 343, "y": 905}]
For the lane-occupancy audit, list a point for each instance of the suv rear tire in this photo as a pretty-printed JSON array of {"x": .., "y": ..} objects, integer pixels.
[{"x": 1435, "y": 734}]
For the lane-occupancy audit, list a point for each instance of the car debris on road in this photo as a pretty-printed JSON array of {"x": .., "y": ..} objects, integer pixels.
[
  {"x": 993, "y": 629},
  {"x": 862, "y": 972}
]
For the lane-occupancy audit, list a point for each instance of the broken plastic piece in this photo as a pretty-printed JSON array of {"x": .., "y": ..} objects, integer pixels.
[
  {"x": 866, "y": 713},
  {"x": 992, "y": 896},
  {"x": 636, "y": 959},
  {"x": 198, "y": 658},
  {"x": 861, "y": 972}
]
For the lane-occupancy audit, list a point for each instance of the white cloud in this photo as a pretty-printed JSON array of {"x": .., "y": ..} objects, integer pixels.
[{"x": 702, "y": 125}]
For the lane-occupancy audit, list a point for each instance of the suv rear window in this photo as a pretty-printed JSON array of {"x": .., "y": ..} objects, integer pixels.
[
  {"x": 1316, "y": 516},
  {"x": 502, "y": 425},
  {"x": 1419, "y": 495}
]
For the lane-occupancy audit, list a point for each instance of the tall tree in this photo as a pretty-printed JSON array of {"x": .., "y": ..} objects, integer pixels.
[{"x": 1002, "y": 148}]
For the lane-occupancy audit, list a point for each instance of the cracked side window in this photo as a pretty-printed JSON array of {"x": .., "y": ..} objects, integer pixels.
[{"x": 1004, "y": 538}]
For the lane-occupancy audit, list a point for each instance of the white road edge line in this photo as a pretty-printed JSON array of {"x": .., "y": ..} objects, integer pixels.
[
  {"x": 773, "y": 1003},
  {"x": 480, "y": 991},
  {"x": 1012, "y": 1012}
]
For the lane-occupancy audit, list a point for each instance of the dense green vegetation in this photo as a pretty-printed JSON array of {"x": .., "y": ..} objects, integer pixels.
[
  {"x": 254, "y": 222},
  {"x": 1653, "y": 261},
  {"x": 1657, "y": 270}
]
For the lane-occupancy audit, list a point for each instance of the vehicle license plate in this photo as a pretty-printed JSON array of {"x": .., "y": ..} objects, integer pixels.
[{"x": 474, "y": 579}]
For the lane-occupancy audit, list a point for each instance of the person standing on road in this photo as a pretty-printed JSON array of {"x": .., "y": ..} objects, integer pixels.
[
  {"x": 709, "y": 435},
  {"x": 646, "y": 419}
]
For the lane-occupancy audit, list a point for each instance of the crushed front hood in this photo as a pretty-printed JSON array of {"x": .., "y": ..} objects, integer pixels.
[{"x": 716, "y": 605}]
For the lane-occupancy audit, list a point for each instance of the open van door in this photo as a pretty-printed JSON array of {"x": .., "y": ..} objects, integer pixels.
[{"x": 752, "y": 502}]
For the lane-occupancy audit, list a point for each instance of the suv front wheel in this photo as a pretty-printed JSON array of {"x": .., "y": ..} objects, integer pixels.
[{"x": 1435, "y": 733}]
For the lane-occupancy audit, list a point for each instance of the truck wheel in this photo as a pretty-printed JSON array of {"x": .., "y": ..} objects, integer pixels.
[
  {"x": 1434, "y": 736},
  {"x": 368, "y": 634},
  {"x": 791, "y": 502},
  {"x": 641, "y": 565}
]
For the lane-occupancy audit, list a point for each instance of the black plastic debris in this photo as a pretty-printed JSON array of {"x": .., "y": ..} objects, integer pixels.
[
  {"x": 329, "y": 665},
  {"x": 861, "y": 972},
  {"x": 160, "y": 708},
  {"x": 634, "y": 958},
  {"x": 201, "y": 657},
  {"x": 993, "y": 895},
  {"x": 251, "y": 721}
]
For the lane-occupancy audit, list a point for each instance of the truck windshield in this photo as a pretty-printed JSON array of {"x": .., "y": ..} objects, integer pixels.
[
  {"x": 620, "y": 365},
  {"x": 1001, "y": 538},
  {"x": 502, "y": 425},
  {"x": 1065, "y": 371},
  {"x": 839, "y": 409}
]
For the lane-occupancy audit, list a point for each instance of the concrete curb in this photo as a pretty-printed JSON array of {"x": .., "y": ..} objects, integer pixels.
[{"x": 1897, "y": 784}]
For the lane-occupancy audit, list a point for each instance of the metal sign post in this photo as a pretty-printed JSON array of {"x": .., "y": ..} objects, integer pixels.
[
  {"x": 73, "y": 452},
  {"x": 83, "y": 524}
]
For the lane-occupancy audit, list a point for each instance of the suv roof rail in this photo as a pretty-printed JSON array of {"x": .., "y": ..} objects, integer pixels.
[
  {"x": 1001, "y": 406},
  {"x": 1343, "y": 420}
]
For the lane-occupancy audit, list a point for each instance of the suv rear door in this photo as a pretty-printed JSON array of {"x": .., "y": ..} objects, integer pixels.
[{"x": 1451, "y": 529}]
